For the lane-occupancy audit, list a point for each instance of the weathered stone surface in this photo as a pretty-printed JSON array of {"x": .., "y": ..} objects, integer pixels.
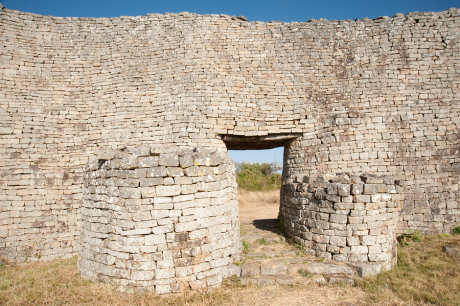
[
  {"x": 370, "y": 99},
  {"x": 250, "y": 270},
  {"x": 165, "y": 191},
  {"x": 368, "y": 269},
  {"x": 273, "y": 268},
  {"x": 349, "y": 227},
  {"x": 450, "y": 250},
  {"x": 157, "y": 233},
  {"x": 327, "y": 269},
  {"x": 341, "y": 280}
]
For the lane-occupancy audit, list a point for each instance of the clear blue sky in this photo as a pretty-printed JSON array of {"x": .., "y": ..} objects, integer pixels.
[
  {"x": 253, "y": 10},
  {"x": 262, "y": 10}
]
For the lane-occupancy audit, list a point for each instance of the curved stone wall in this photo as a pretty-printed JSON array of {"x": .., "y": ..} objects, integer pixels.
[
  {"x": 159, "y": 218},
  {"x": 367, "y": 96},
  {"x": 347, "y": 218}
]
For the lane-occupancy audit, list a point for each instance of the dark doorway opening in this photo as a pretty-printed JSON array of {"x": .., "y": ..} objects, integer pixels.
[
  {"x": 237, "y": 142},
  {"x": 259, "y": 207}
]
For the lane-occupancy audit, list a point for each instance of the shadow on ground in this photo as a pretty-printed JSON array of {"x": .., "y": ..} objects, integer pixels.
[{"x": 271, "y": 225}]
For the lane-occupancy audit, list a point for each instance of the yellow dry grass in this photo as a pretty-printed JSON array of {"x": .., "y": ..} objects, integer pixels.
[
  {"x": 250, "y": 198},
  {"x": 425, "y": 275},
  {"x": 258, "y": 205},
  {"x": 59, "y": 283}
]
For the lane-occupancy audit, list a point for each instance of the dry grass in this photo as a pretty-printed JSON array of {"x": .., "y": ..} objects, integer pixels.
[
  {"x": 258, "y": 205},
  {"x": 257, "y": 198},
  {"x": 424, "y": 275},
  {"x": 59, "y": 283}
]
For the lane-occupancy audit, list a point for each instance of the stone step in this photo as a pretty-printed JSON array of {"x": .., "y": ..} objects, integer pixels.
[
  {"x": 270, "y": 260},
  {"x": 284, "y": 268},
  {"x": 318, "y": 279}
]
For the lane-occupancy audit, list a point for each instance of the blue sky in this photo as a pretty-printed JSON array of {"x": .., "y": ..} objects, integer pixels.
[
  {"x": 262, "y": 10},
  {"x": 253, "y": 10}
]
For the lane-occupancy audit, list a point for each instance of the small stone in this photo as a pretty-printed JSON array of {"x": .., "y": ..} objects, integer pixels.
[
  {"x": 250, "y": 269},
  {"x": 359, "y": 249},
  {"x": 130, "y": 193},
  {"x": 357, "y": 189},
  {"x": 285, "y": 280},
  {"x": 147, "y": 192},
  {"x": 164, "y": 191},
  {"x": 336, "y": 218},
  {"x": 146, "y": 162},
  {"x": 368, "y": 269},
  {"x": 142, "y": 275},
  {"x": 332, "y": 189},
  {"x": 341, "y": 280},
  {"x": 343, "y": 189},
  {"x": 162, "y": 289},
  {"x": 323, "y": 268},
  {"x": 169, "y": 160},
  {"x": 450, "y": 250},
  {"x": 374, "y": 188},
  {"x": 273, "y": 268},
  {"x": 186, "y": 160},
  {"x": 265, "y": 281}
]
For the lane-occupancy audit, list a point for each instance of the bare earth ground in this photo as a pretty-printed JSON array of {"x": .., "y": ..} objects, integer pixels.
[
  {"x": 258, "y": 213},
  {"x": 425, "y": 275},
  {"x": 258, "y": 205}
]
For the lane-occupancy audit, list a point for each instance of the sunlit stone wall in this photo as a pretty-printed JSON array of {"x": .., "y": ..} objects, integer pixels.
[{"x": 160, "y": 218}]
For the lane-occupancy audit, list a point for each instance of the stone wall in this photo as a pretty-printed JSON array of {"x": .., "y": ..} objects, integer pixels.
[
  {"x": 159, "y": 218},
  {"x": 346, "y": 218},
  {"x": 365, "y": 96}
]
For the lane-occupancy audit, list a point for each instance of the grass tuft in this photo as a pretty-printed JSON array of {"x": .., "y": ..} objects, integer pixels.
[
  {"x": 411, "y": 236},
  {"x": 456, "y": 230},
  {"x": 245, "y": 247},
  {"x": 423, "y": 274},
  {"x": 262, "y": 241}
]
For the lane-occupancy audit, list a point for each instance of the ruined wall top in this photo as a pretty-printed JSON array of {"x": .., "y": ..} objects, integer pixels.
[{"x": 209, "y": 75}]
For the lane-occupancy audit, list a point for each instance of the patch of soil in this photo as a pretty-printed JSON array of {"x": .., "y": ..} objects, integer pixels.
[{"x": 268, "y": 259}]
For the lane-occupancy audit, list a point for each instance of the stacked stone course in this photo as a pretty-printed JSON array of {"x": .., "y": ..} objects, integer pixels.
[
  {"x": 346, "y": 218},
  {"x": 160, "y": 218},
  {"x": 366, "y": 96}
]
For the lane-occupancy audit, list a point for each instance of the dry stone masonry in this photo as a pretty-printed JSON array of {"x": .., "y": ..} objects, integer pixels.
[
  {"x": 160, "y": 218},
  {"x": 347, "y": 218},
  {"x": 374, "y": 96}
]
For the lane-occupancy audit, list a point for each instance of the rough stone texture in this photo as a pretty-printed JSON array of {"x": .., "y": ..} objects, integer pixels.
[
  {"x": 450, "y": 250},
  {"x": 366, "y": 96},
  {"x": 331, "y": 219},
  {"x": 138, "y": 233}
]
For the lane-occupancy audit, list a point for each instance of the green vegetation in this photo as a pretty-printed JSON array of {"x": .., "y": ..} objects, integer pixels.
[
  {"x": 456, "y": 230},
  {"x": 411, "y": 236},
  {"x": 245, "y": 247},
  {"x": 304, "y": 273},
  {"x": 262, "y": 241},
  {"x": 258, "y": 177}
]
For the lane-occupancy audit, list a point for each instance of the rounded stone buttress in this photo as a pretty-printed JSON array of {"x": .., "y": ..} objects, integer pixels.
[
  {"x": 160, "y": 218},
  {"x": 346, "y": 218}
]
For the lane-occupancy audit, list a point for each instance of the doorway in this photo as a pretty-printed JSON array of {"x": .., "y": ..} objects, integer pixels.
[{"x": 259, "y": 163}]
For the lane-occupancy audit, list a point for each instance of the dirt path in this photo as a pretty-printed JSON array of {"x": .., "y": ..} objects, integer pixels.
[
  {"x": 281, "y": 273},
  {"x": 258, "y": 205}
]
